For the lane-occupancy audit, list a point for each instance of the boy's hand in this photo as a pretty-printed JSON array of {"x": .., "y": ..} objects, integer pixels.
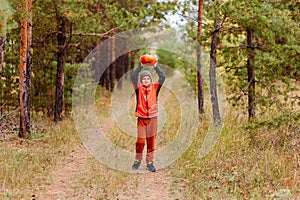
[{"x": 156, "y": 61}]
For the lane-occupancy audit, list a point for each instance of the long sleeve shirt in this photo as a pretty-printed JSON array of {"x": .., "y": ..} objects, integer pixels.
[{"x": 146, "y": 96}]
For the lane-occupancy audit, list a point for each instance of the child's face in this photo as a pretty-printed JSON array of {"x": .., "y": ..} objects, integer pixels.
[{"x": 146, "y": 80}]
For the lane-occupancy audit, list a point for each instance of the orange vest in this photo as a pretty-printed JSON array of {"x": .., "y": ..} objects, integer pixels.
[{"x": 146, "y": 97}]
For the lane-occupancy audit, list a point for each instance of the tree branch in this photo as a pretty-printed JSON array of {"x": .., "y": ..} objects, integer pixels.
[
  {"x": 223, "y": 20},
  {"x": 188, "y": 17},
  {"x": 3, "y": 116},
  {"x": 77, "y": 34},
  {"x": 96, "y": 34},
  {"x": 3, "y": 104}
]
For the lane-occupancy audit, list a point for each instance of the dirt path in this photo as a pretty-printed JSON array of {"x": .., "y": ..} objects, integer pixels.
[
  {"x": 78, "y": 176},
  {"x": 72, "y": 178},
  {"x": 151, "y": 186},
  {"x": 64, "y": 174}
]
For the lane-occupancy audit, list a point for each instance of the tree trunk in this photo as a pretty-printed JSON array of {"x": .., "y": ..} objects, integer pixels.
[
  {"x": 107, "y": 76},
  {"x": 60, "y": 73},
  {"x": 113, "y": 65},
  {"x": 24, "y": 112},
  {"x": 199, "y": 60},
  {"x": 121, "y": 68},
  {"x": 132, "y": 58},
  {"x": 125, "y": 64},
  {"x": 107, "y": 71},
  {"x": 212, "y": 73},
  {"x": 251, "y": 75},
  {"x": 28, "y": 67},
  {"x": 100, "y": 66},
  {"x": 2, "y": 45}
]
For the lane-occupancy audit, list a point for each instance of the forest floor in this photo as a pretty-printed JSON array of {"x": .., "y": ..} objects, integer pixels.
[
  {"x": 68, "y": 174},
  {"x": 258, "y": 160}
]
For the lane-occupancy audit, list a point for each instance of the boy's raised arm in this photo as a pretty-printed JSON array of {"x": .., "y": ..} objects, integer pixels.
[
  {"x": 135, "y": 76},
  {"x": 161, "y": 75}
]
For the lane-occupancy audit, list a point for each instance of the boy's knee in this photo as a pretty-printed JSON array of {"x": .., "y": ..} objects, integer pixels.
[{"x": 141, "y": 141}]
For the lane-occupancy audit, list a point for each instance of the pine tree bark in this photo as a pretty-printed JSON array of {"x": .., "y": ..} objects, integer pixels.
[
  {"x": 119, "y": 71},
  {"x": 60, "y": 73},
  {"x": 107, "y": 71},
  {"x": 132, "y": 59},
  {"x": 251, "y": 75},
  {"x": 2, "y": 45},
  {"x": 199, "y": 61},
  {"x": 125, "y": 63},
  {"x": 212, "y": 73},
  {"x": 107, "y": 76},
  {"x": 113, "y": 65},
  {"x": 100, "y": 66},
  {"x": 28, "y": 67},
  {"x": 25, "y": 70}
]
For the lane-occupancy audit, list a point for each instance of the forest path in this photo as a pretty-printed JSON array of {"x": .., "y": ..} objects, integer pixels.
[{"x": 72, "y": 175}]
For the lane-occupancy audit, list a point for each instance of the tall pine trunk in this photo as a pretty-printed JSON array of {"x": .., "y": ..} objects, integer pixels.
[
  {"x": 212, "y": 73},
  {"x": 199, "y": 61},
  {"x": 25, "y": 69},
  {"x": 113, "y": 65},
  {"x": 131, "y": 61},
  {"x": 108, "y": 70},
  {"x": 132, "y": 58},
  {"x": 125, "y": 64},
  {"x": 2, "y": 44},
  {"x": 28, "y": 66},
  {"x": 251, "y": 75},
  {"x": 60, "y": 73},
  {"x": 121, "y": 69}
]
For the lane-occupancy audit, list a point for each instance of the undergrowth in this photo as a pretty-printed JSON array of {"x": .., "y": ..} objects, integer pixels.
[{"x": 252, "y": 160}]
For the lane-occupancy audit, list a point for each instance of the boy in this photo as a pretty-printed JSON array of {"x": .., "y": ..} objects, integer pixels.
[{"x": 146, "y": 113}]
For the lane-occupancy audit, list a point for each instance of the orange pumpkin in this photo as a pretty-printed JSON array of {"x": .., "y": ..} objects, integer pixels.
[{"x": 148, "y": 59}]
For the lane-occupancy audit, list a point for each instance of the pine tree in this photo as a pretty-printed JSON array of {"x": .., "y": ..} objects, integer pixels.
[
  {"x": 212, "y": 68},
  {"x": 200, "y": 84},
  {"x": 61, "y": 59},
  {"x": 257, "y": 43},
  {"x": 25, "y": 68}
]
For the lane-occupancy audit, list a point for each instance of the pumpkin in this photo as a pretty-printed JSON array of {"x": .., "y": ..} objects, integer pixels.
[{"x": 148, "y": 59}]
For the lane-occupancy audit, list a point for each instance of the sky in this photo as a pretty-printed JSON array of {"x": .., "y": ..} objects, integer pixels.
[{"x": 175, "y": 20}]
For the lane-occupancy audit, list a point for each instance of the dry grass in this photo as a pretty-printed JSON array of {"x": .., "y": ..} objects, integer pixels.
[
  {"x": 26, "y": 163},
  {"x": 259, "y": 163},
  {"x": 28, "y": 167},
  {"x": 260, "y": 160}
]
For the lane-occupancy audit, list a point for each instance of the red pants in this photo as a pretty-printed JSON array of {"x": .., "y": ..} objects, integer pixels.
[{"x": 147, "y": 130}]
